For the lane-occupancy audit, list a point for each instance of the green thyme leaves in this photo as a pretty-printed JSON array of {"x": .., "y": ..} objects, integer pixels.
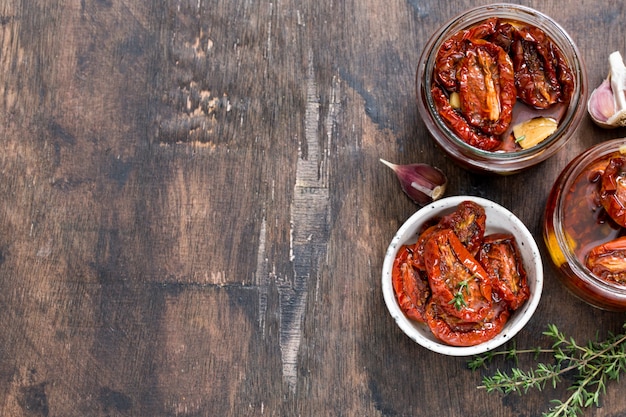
[
  {"x": 459, "y": 297},
  {"x": 593, "y": 365}
]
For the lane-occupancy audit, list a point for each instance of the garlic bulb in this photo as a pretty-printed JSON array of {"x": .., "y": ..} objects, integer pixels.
[{"x": 607, "y": 103}]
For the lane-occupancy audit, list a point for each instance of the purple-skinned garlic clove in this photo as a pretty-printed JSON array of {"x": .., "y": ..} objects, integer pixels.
[{"x": 421, "y": 182}]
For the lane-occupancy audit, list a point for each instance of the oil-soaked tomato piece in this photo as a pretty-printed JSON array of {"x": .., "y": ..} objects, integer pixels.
[
  {"x": 608, "y": 261},
  {"x": 452, "y": 52},
  {"x": 503, "y": 35},
  {"x": 500, "y": 257},
  {"x": 456, "y": 332},
  {"x": 613, "y": 191},
  {"x": 468, "y": 222},
  {"x": 487, "y": 87},
  {"x": 461, "y": 127},
  {"x": 409, "y": 284},
  {"x": 542, "y": 75},
  {"x": 418, "y": 248},
  {"x": 459, "y": 284}
]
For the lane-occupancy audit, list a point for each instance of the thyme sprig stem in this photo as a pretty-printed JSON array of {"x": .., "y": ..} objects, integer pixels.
[
  {"x": 594, "y": 364},
  {"x": 459, "y": 298}
]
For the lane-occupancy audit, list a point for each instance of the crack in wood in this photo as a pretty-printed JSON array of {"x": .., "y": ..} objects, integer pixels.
[
  {"x": 309, "y": 232},
  {"x": 262, "y": 276}
]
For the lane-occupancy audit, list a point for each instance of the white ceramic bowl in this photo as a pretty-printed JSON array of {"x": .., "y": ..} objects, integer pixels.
[{"x": 500, "y": 220}]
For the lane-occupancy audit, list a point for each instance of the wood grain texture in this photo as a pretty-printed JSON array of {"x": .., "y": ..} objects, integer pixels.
[{"x": 194, "y": 217}]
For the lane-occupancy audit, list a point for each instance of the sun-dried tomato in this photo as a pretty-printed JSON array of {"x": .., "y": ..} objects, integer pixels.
[
  {"x": 487, "y": 87},
  {"x": 409, "y": 284},
  {"x": 608, "y": 261},
  {"x": 452, "y": 52},
  {"x": 542, "y": 75},
  {"x": 454, "y": 274},
  {"x": 418, "y": 248},
  {"x": 503, "y": 36},
  {"x": 459, "y": 125},
  {"x": 565, "y": 75},
  {"x": 500, "y": 257},
  {"x": 456, "y": 332},
  {"x": 613, "y": 190},
  {"x": 468, "y": 221}
]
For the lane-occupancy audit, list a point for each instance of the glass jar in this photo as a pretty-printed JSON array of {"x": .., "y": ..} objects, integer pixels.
[
  {"x": 574, "y": 223},
  {"x": 501, "y": 162}
]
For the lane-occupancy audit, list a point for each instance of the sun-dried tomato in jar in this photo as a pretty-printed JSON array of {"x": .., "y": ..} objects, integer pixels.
[
  {"x": 496, "y": 74},
  {"x": 613, "y": 190},
  {"x": 583, "y": 225}
]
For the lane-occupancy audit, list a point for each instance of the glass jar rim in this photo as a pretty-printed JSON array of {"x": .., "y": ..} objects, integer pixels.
[{"x": 490, "y": 160}]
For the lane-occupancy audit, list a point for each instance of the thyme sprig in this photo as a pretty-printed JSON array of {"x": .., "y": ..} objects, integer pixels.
[
  {"x": 459, "y": 298},
  {"x": 594, "y": 365}
]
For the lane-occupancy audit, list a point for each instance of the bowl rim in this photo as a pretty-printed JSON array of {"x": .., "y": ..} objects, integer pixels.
[
  {"x": 518, "y": 319},
  {"x": 501, "y": 162}
]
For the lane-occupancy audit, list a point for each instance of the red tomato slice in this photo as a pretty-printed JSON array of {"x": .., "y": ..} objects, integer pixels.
[
  {"x": 487, "y": 87},
  {"x": 457, "y": 123},
  {"x": 418, "y": 256},
  {"x": 608, "y": 261},
  {"x": 456, "y": 332},
  {"x": 452, "y": 51},
  {"x": 613, "y": 191},
  {"x": 410, "y": 286},
  {"x": 458, "y": 282},
  {"x": 468, "y": 222},
  {"x": 500, "y": 257}
]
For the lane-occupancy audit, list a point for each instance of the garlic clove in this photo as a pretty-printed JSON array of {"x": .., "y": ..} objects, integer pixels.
[
  {"x": 607, "y": 103},
  {"x": 455, "y": 100},
  {"x": 534, "y": 131},
  {"x": 421, "y": 182},
  {"x": 601, "y": 104}
]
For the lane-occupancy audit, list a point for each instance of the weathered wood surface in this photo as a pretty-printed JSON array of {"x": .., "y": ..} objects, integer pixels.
[{"x": 193, "y": 215}]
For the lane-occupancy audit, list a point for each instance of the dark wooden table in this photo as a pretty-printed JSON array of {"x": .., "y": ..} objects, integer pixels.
[{"x": 193, "y": 216}]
